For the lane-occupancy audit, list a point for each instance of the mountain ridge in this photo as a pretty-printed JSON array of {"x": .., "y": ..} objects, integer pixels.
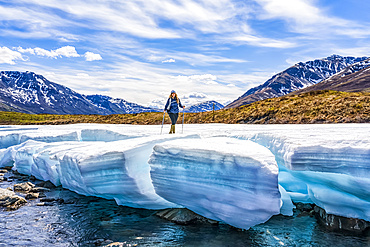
[
  {"x": 354, "y": 78},
  {"x": 318, "y": 107},
  {"x": 298, "y": 76},
  {"x": 205, "y": 106},
  {"x": 28, "y": 92},
  {"x": 36, "y": 94}
]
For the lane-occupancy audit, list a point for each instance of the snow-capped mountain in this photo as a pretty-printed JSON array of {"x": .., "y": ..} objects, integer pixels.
[
  {"x": 204, "y": 106},
  {"x": 116, "y": 106},
  {"x": 354, "y": 78},
  {"x": 31, "y": 93},
  {"x": 299, "y": 76}
]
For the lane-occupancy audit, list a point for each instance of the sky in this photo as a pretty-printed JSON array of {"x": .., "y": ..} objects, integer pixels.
[{"x": 140, "y": 50}]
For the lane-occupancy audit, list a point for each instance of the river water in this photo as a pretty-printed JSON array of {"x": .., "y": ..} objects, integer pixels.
[{"x": 91, "y": 221}]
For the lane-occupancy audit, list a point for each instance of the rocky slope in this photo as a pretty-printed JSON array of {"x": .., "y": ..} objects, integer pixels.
[
  {"x": 354, "y": 78},
  {"x": 296, "y": 77},
  {"x": 31, "y": 93},
  {"x": 205, "y": 106},
  {"x": 116, "y": 106}
]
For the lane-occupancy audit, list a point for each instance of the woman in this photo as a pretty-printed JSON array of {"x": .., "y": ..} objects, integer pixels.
[{"x": 172, "y": 108}]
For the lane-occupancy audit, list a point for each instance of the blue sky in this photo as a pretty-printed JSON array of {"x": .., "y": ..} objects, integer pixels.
[{"x": 140, "y": 50}]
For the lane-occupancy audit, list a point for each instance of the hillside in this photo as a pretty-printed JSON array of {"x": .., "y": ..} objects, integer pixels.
[
  {"x": 311, "y": 107},
  {"x": 299, "y": 76}
]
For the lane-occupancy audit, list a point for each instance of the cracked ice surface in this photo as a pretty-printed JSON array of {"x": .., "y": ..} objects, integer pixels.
[{"x": 328, "y": 165}]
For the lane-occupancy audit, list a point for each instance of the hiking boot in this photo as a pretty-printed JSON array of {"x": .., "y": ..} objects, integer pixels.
[{"x": 172, "y": 130}]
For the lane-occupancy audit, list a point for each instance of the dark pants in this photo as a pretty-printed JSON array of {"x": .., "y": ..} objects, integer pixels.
[{"x": 174, "y": 117}]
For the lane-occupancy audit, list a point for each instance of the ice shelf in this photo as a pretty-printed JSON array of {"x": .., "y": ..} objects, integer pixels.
[{"x": 213, "y": 169}]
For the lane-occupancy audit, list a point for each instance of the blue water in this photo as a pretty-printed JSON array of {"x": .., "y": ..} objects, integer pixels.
[{"x": 91, "y": 221}]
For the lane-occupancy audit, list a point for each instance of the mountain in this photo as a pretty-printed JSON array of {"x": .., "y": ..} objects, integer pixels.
[
  {"x": 204, "y": 106},
  {"x": 299, "y": 76},
  {"x": 117, "y": 106},
  {"x": 31, "y": 93},
  {"x": 354, "y": 78}
]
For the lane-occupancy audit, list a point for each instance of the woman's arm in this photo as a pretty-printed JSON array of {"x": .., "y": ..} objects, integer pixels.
[
  {"x": 182, "y": 106},
  {"x": 168, "y": 102}
]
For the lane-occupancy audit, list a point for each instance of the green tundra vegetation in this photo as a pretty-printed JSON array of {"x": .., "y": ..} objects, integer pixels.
[{"x": 306, "y": 108}]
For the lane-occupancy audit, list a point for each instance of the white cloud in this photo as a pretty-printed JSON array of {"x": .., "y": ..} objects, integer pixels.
[
  {"x": 205, "y": 78},
  {"x": 9, "y": 56},
  {"x": 189, "y": 19},
  {"x": 152, "y": 57},
  {"x": 301, "y": 11},
  {"x": 353, "y": 51},
  {"x": 302, "y": 16},
  {"x": 263, "y": 42},
  {"x": 194, "y": 59},
  {"x": 65, "y": 51},
  {"x": 83, "y": 75},
  {"x": 27, "y": 50},
  {"x": 171, "y": 60},
  {"x": 195, "y": 95},
  {"x": 129, "y": 17},
  {"x": 44, "y": 53},
  {"x": 90, "y": 56},
  {"x": 193, "y": 98},
  {"x": 158, "y": 103}
]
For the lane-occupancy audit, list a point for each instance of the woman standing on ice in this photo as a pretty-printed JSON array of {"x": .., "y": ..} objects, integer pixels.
[{"x": 172, "y": 108}]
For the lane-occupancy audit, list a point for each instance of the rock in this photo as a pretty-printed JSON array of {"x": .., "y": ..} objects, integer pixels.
[
  {"x": 102, "y": 242},
  {"x": 10, "y": 200},
  {"x": 41, "y": 204},
  {"x": 46, "y": 184},
  {"x": 32, "y": 195},
  {"x": 69, "y": 201},
  {"x": 339, "y": 223},
  {"x": 60, "y": 200},
  {"x": 3, "y": 171},
  {"x": 42, "y": 195},
  {"x": 119, "y": 244},
  {"x": 183, "y": 216},
  {"x": 24, "y": 187},
  {"x": 304, "y": 207},
  {"x": 39, "y": 189},
  {"x": 3, "y": 179},
  {"x": 47, "y": 199}
]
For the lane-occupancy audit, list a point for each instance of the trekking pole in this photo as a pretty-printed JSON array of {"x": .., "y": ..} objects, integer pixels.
[
  {"x": 183, "y": 113},
  {"x": 162, "y": 121}
]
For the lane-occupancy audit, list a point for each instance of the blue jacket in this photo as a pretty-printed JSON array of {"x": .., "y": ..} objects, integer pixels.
[{"x": 172, "y": 106}]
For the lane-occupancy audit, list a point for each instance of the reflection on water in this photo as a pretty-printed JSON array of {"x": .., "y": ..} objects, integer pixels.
[{"x": 90, "y": 221}]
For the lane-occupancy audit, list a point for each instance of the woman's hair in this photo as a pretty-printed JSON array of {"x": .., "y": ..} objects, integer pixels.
[{"x": 177, "y": 98}]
